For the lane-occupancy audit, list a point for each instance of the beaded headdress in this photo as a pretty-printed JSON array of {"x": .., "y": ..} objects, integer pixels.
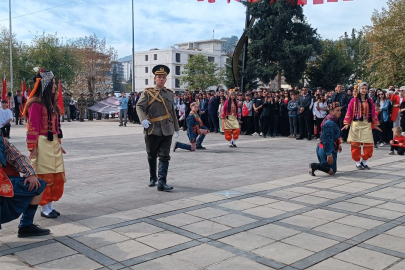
[{"x": 47, "y": 77}]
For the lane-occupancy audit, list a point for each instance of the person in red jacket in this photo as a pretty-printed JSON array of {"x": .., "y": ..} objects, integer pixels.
[
  {"x": 398, "y": 143},
  {"x": 396, "y": 104}
]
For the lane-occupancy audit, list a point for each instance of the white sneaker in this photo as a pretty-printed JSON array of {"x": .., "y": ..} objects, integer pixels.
[
  {"x": 255, "y": 134},
  {"x": 391, "y": 153},
  {"x": 261, "y": 133},
  {"x": 382, "y": 144}
]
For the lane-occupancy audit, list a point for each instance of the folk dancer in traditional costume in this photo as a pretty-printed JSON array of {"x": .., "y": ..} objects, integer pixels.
[
  {"x": 44, "y": 141},
  {"x": 19, "y": 195},
  {"x": 230, "y": 117},
  {"x": 360, "y": 117},
  {"x": 329, "y": 144},
  {"x": 196, "y": 131},
  {"x": 157, "y": 114}
]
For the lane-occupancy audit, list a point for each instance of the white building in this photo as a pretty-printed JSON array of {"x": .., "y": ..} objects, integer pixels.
[{"x": 175, "y": 58}]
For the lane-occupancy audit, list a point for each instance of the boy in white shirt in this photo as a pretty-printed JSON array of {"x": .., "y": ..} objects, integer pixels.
[{"x": 6, "y": 116}]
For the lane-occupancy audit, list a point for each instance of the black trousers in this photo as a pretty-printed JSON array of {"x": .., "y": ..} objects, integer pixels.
[
  {"x": 257, "y": 121},
  {"x": 158, "y": 146},
  {"x": 5, "y": 130},
  {"x": 318, "y": 122},
  {"x": 284, "y": 124},
  {"x": 305, "y": 120},
  {"x": 17, "y": 115},
  {"x": 266, "y": 124},
  {"x": 276, "y": 129},
  {"x": 400, "y": 150},
  {"x": 213, "y": 122}
]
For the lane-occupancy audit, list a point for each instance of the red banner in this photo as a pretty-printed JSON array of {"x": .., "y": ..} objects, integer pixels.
[
  {"x": 60, "y": 99},
  {"x": 4, "y": 93}
]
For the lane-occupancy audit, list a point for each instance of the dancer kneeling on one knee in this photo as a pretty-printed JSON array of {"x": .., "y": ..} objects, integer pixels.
[
  {"x": 230, "y": 116},
  {"x": 398, "y": 143},
  {"x": 329, "y": 144},
  {"x": 196, "y": 131}
]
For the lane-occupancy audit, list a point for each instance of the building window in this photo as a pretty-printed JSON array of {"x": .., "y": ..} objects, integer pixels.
[
  {"x": 146, "y": 57},
  {"x": 178, "y": 57},
  {"x": 146, "y": 81},
  {"x": 177, "y": 83},
  {"x": 155, "y": 56},
  {"x": 146, "y": 70},
  {"x": 177, "y": 70},
  {"x": 211, "y": 59}
]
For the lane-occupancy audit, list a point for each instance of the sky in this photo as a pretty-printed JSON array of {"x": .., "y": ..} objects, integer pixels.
[{"x": 162, "y": 23}]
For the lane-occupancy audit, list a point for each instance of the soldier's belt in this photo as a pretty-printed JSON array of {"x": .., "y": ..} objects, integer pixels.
[{"x": 158, "y": 119}]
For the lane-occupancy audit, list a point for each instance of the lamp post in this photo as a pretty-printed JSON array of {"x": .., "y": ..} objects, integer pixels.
[
  {"x": 11, "y": 48},
  {"x": 133, "y": 49}
]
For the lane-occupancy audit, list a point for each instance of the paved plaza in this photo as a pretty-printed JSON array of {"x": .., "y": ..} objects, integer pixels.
[{"x": 253, "y": 207}]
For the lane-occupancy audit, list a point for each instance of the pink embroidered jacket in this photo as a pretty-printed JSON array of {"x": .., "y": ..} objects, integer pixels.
[
  {"x": 232, "y": 112},
  {"x": 354, "y": 112},
  {"x": 38, "y": 124}
]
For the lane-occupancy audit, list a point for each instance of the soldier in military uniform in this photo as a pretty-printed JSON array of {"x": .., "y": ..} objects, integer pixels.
[
  {"x": 81, "y": 105},
  {"x": 106, "y": 95},
  {"x": 66, "y": 106},
  {"x": 158, "y": 117},
  {"x": 98, "y": 99},
  {"x": 90, "y": 102}
]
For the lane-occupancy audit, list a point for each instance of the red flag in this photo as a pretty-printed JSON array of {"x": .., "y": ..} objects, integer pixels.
[
  {"x": 4, "y": 93},
  {"x": 25, "y": 90},
  {"x": 316, "y": 2},
  {"x": 60, "y": 100},
  {"x": 302, "y": 2},
  {"x": 332, "y": 1},
  {"x": 29, "y": 90}
]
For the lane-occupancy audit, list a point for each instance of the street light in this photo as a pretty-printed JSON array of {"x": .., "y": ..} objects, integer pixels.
[
  {"x": 11, "y": 48},
  {"x": 133, "y": 49}
]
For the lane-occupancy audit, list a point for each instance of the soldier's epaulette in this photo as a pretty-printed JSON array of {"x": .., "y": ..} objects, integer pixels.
[
  {"x": 149, "y": 88},
  {"x": 169, "y": 90}
]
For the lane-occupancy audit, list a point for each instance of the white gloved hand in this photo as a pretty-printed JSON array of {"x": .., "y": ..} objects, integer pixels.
[
  {"x": 176, "y": 134},
  {"x": 145, "y": 123}
]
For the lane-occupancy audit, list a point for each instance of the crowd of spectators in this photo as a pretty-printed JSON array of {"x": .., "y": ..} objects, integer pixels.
[{"x": 293, "y": 113}]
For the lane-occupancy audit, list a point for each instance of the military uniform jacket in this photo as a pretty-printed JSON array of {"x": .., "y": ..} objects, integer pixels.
[
  {"x": 150, "y": 106},
  {"x": 99, "y": 98},
  {"x": 81, "y": 102},
  {"x": 66, "y": 101},
  {"x": 90, "y": 101}
]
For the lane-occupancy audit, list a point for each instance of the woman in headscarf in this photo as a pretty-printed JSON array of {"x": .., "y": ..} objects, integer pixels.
[{"x": 44, "y": 140}]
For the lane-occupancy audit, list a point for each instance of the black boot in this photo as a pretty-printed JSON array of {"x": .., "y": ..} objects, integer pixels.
[
  {"x": 312, "y": 168},
  {"x": 324, "y": 168},
  {"x": 162, "y": 175},
  {"x": 181, "y": 146},
  {"x": 152, "y": 172},
  {"x": 32, "y": 230}
]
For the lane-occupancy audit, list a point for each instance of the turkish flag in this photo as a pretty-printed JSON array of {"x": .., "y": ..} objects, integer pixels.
[
  {"x": 4, "y": 93},
  {"x": 302, "y": 2},
  {"x": 316, "y": 2},
  {"x": 332, "y": 0},
  {"x": 60, "y": 99}
]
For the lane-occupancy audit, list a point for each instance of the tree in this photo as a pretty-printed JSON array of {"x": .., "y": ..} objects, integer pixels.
[
  {"x": 386, "y": 35},
  {"x": 200, "y": 73},
  {"x": 331, "y": 67},
  {"x": 281, "y": 41},
  {"x": 230, "y": 44},
  {"x": 116, "y": 78},
  {"x": 227, "y": 78}
]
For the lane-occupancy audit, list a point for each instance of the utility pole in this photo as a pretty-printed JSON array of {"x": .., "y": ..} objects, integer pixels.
[
  {"x": 245, "y": 52},
  {"x": 11, "y": 48},
  {"x": 133, "y": 49}
]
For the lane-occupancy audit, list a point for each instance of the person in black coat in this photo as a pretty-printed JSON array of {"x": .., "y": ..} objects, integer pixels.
[
  {"x": 305, "y": 116},
  {"x": 19, "y": 103},
  {"x": 213, "y": 112},
  {"x": 341, "y": 97}
]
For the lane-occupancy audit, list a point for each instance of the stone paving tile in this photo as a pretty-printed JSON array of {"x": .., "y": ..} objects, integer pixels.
[
  {"x": 72, "y": 262},
  {"x": 138, "y": 230},
  {"x": 264, "y": 212},
  {"x": 45, "y": 253},
  {"x": 284, "y": 194},
  {"x": 131, "y": 214},
  {"x": 11, "y": 263},
  {"x": 346, "y": 188},
  {"x": 179, "y": 220},
  {"x": 384, "y": 194},
  {"x": 239, "y": 263},
  {"x": 233, "y": 220},
  {"x": 274, "y": 231},
  {"x": 67, "y": 229},
  {"x": 302, "y": 190},
  {"x": 364, "y": 223},
  {"x": 397, "y": 231},
  {"x": 13, "y": 241},
  {"x": 203, "y": 255},
  {"x": 388, "y": 242},
  {"x": 165, "y": 263},
  {"x": 125, "y": 250},
  {"x": 398, "y": 266},
  {"x": 305, "y": 221},
  {"x": 206, "y": 198},
  {"x": 163, "y": 240},
  {"x": 184, "y": 203},
  {"x": 286, "y": 206},
  {"x": 334, "y": 264},
  {"x": 283, "y": 253},
  {"x": 206, "y": 227},
  {"x": 207, "y": 212},
  {"x": 322, "y": 185},
  {"x": 310, "y": 242},
  {"x": 310, "y": 199},
  {"x": 341, "y": 230},
  {"x": 393, "y": 207},
  {"x": 327, "y": 194},
  {"x": 324, "y": 214},
  {"x": 98, "y": 222},
  {"x": 246, "y": 240},
  {"x": 378, "y": 212},
  {"x": 258, "y": 200},
  {"x": 159, "y": 208},
  {"x": 367, "y": 258},
  {"x": 100, "y": 239},
  {"x": 365, "y": 201},
  {"x": 238, "y": 205},
  {"x": 353, "y": 207}
]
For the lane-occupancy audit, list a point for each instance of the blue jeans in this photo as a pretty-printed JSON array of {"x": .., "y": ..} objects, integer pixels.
[{"x": 323, "y": 160}]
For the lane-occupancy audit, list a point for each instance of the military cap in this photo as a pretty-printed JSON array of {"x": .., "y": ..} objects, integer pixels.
[
  {"x": 81, "y": 93},
  {"x": 90, "y": 94},
  {"x": 98, "y": 93},
  {"x": 161, "y": 70},
  {"x": 106, "y": 92}
]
